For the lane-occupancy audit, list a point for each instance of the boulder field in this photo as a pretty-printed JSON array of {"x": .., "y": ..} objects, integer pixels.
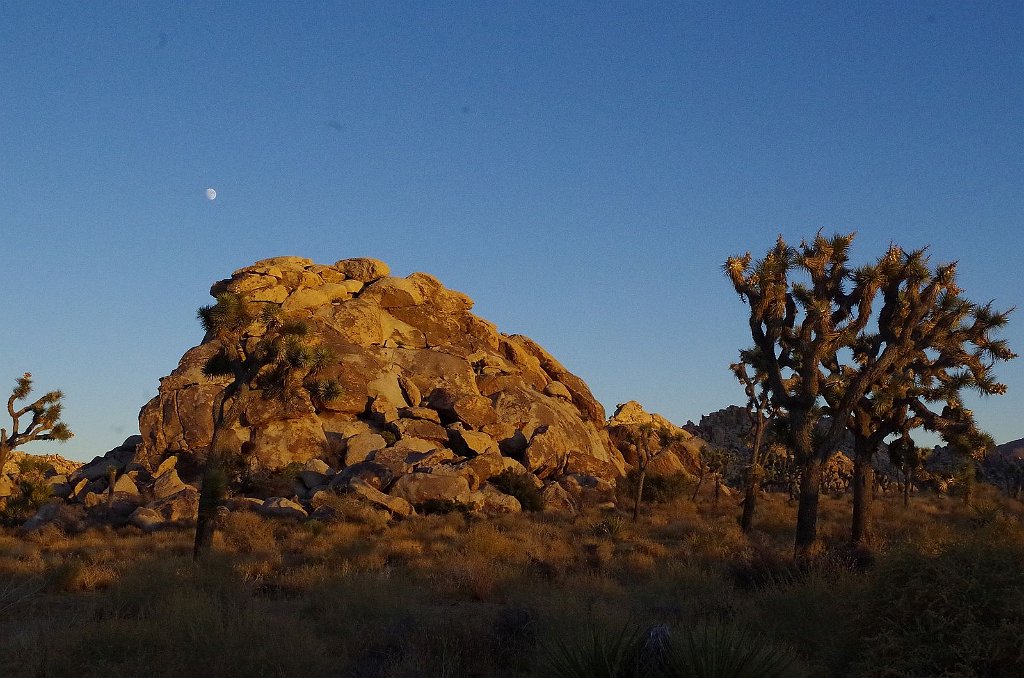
[{"x": 435, "y": 403}]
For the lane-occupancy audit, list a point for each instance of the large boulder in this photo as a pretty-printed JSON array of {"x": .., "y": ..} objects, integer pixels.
[{"x": 418, "y": 372}]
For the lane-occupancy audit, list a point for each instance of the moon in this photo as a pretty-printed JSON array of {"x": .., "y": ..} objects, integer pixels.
[{"x": 211, "y": 194}]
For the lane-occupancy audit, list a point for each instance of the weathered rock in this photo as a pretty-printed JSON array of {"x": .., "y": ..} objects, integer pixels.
[
  {"x": 419, "y": 428},
  {"x": 424, "y": 413},
  {"x": 397, "y": 505},
  {"x": 494, "y": 501},
  {"x": 556, "y": 498},
  {"x": 361, "y": 446},
  {"x": 146, "y": 519},
  {"x": 400, "y": 344},
  {"x": 46, "y": 514},
  {"x": 167, "y": 484},
  {"x": 126, "y": 486},
  {"x": 165, "y": 466},
  {"x": 362, "y": 269},
  {"x": 472, "y": 443},
  {"x": 417, "y": 488},
  {"x": 377, "y": 475},
  {"x": 182, "y": 506},
  {"x": 280, "y": 507}
]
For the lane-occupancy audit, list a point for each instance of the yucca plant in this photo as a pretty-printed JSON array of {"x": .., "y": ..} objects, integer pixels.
[
  {"x": 726, "y": 650},
  {"x": 597, "y": 653}
]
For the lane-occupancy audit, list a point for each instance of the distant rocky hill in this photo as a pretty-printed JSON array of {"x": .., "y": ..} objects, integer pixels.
[{"x": 435, "y": 403}]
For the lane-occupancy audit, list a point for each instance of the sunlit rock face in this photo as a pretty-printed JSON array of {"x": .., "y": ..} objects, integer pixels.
[{"x": 427, "y": 386}]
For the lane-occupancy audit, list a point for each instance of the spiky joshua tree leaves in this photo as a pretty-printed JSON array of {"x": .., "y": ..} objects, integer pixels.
[
  {"x": 43, "y": 421},
  {"x": 810, "y": 313},
  {"x": 281, "y": 358}
]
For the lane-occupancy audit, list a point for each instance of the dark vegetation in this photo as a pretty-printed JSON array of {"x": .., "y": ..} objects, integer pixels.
[{"x": 454, "y": 595}]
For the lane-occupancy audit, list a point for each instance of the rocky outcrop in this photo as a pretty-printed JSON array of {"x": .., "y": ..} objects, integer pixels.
[
  {"x": 682, "y": 456},
  {"x": 434, "y": 402}
]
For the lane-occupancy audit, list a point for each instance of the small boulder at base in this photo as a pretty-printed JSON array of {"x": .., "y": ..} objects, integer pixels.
[
  {"x": 418, "y": 488},
  {"x": 397, "y": 505},
  {"x": 280, "y": 507},
  {"x": 146, "y": 519}
]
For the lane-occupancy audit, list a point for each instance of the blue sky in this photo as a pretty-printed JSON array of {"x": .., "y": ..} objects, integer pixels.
[{"x": 580, "y": 169}]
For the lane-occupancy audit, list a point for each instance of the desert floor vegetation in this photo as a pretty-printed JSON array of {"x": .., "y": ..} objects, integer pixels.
[{"x": 938, "y": 593}]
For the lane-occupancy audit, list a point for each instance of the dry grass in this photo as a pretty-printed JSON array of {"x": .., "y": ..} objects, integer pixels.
[{"x": 454, "y": 595}]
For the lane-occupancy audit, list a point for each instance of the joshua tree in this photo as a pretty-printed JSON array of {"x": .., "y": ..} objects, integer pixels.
[
  {"x": 950, "y": 348},
  {"x": 650, "y": 442},
  {"x": 802, "y": 328},
  {"x": 281, "y": 358},
  {"x": 761, "y": 412},
  {"x": 45, "y": 423}
]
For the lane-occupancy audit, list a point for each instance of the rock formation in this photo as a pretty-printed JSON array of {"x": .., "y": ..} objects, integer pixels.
[
  {"x": 682, "y": 456},
  {"x": 434, "y": 402}
]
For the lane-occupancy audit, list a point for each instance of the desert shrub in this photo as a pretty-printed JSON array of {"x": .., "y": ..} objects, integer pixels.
[
  {"x": 442, "y": 506},
  {"x": 520, "y": 486},
  {"x": 30, "y": 492},
  {"x": 957, "y": 612},
  {"x": 389, "y": 437},
  {"x": 657, "y": 488},
  {"x": 613, "y": 526},
  {"x": 264, "y": 483},
  {"x": 247, "y": 532}
]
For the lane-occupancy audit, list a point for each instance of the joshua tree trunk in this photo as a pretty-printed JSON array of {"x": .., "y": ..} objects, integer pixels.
[
  {"x": 639, "y": 492},
  {"x": 906, "y": 488},
  {"x": 700, "y": 481},
  {"x": 214, "y": 487},
  {"x": 753, "y": 478},
  {"x": 807, "y": 509},
  {"x": 863, "y": 479}
]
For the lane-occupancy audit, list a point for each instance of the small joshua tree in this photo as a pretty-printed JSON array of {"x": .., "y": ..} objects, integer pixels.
[
  {"x": 44, "y": 424},
  {"x": 283, "y": 360},
  {"x": 761, "y": 412},
  {"x": 650, "y": 442}
]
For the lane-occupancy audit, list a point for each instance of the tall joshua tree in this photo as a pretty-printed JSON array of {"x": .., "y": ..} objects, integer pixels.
[
  {"x": 806, "y": 306},
  {"x": 949, "y": 349},
  {"x": 797, "y": 328},
  {"x": 761, "y": 412},
  {"x": 44, "y": 424},
  {"x": 282, "y": 358}
]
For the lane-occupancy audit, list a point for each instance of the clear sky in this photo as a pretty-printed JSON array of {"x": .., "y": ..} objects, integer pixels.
[{"x": 581, "y": 170}]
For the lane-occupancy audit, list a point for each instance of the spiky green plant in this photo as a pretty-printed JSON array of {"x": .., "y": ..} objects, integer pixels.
[
  {"x": 727, "y": 650},
  {"x": 595, "y": 653}
]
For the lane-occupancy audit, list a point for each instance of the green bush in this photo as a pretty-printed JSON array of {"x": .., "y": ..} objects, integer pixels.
[{"x": 520, "y": 486}]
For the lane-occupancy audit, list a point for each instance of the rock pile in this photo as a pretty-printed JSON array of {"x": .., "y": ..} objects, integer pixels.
[{"x": 435, "y": 403}]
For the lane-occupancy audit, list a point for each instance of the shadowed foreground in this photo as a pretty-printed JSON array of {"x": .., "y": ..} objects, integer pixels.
[{"x": 448, "y": 595}]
